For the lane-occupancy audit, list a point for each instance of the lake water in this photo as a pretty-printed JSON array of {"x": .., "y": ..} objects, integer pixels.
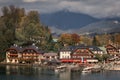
[{"x": 37, "y": 73}]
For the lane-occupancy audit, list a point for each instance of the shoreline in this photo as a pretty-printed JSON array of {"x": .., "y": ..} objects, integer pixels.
[
  {"x": 115, "y": 68},
  {"x": 29, "y": 65},
  {"x": 13, "y": 64},
  {"x": 111, "y": 66}
]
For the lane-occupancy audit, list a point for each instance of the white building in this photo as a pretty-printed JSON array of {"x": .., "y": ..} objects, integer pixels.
[{"x": 65, "y": 54}]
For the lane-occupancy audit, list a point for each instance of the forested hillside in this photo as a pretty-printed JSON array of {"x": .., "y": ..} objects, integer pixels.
[{"x": 22, "y": 28}]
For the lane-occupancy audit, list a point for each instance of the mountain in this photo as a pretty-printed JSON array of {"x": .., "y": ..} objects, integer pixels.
[
  {"x": 69, "y": 22},
  {"x": 66, "y": 20},
  {"x": 100, "y": 27}
]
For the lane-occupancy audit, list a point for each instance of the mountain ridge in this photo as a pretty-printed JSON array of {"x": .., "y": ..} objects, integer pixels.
[{"x": 69, "y": 22}]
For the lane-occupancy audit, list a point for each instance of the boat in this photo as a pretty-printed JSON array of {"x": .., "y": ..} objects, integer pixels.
[
  {"x": 93, "y": 69},
  {"x": 61, "y": 68},
  {"x": 87, "y": 70}
]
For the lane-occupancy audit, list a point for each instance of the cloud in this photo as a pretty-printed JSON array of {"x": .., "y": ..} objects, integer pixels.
[
  {"x": 29, "y": 0},
  {"x": 95, "y": 8}
]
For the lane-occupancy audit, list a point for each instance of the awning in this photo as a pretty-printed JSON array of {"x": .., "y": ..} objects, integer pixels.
[{"x": 65, "y": 60}]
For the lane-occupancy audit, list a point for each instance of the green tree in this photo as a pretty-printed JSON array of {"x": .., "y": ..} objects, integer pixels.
[
  {"x": 95, "y": 41},
  {"x": 18, "y": 27},
  {"x": 8, "y": 24},
  {"x": 102, "y": 57}
]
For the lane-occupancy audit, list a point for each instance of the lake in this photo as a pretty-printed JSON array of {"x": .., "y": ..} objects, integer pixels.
[{"x": 37, "y": 73}]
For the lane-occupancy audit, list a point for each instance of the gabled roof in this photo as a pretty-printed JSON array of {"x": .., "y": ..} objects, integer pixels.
[
  {"x": 20, "y": 49},
  {"x": 78, "y": 46},
  {"x": 94, "y": 48},
  {"x": 71, "y": 48},
  {"x": 86, "y": 51},
  {"x": 15, "y": 47},
  {"x": 33, "y": 47},
  {"x": 66, "y": 48},
  {"x": 110, "y": 46}
]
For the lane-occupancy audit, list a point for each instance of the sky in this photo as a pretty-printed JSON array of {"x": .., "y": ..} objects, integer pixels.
[{"x": 95, "y": 8}]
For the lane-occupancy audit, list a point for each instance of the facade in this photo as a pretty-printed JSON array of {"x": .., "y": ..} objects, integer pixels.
[
  {"x": 50, "y": 56},
  {"x": 82, "y": 55},
  {"x": 65, "y": 53},
  {"x": 13, "y": 54},
  {"x": 30, "y": 54},
  {"x": 78, "y": 54},
  {"x": 111, "y": 50},
  {"x": 96, "y": 50}
]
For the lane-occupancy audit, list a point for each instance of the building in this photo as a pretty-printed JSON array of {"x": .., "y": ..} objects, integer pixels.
[
  {"x": 65, "y": 53},
  {"x": 78, "y": 54},
  {"x": 50, "y": 56},
  {"x": 111, "y": 50},
  {"x": 13, "y": 54},
  {"x": 83, "y": 55},
  {"x": 96, "y": 50},
  {"x": 29, "y": 54}
]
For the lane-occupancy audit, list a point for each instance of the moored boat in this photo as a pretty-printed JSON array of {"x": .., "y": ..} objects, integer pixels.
[
  {"x": 87, "y": 70},
  {"x": 92, "y": 69},
  {"x": 60, "y": 68}
]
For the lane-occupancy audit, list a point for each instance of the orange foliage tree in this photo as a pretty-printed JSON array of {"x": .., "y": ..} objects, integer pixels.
[{"x": 75, "y": 38}]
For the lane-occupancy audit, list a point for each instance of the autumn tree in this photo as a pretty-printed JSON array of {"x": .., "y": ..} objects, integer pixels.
[
  {"x": 75, "y": 39},
  {"x": 65, "y": 39},
  {"x": 117, "y": 39},
  {"x": 86, "y": 40}
]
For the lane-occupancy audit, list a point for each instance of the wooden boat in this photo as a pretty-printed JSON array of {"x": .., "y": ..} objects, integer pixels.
[
  {"x": 60, "y": 68},
  {"x": 87, "y": 70},
  {"x": 93, "y": 69}
]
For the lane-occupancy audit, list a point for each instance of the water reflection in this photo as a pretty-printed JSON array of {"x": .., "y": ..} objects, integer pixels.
[
  {"x": 38, "y": 73},
  {"x": 11, "y": 70},
  {"x": 35, "y": 72}
]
